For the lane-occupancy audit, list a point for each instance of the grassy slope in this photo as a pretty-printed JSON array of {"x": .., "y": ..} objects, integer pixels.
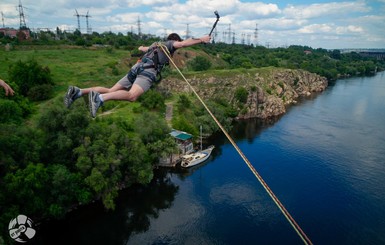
[
  {"x": 83, "y": 67},
  {"x": 77, "y": 66}
]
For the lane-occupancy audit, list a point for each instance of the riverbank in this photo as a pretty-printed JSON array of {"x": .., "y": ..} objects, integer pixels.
[{"x": 267, "y": 90}]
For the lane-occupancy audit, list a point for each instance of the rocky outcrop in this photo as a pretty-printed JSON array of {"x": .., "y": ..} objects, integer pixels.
[{"x": 270, "y": 90}]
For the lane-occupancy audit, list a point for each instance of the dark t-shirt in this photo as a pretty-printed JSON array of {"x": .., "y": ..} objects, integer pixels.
[{"x": 162, "y": 57}]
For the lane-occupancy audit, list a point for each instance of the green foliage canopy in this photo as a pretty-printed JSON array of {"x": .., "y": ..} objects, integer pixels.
[{"x": 32, "y": 79}]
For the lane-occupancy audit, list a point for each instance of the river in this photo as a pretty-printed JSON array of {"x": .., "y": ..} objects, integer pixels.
[{"x": 324, "y": 159}]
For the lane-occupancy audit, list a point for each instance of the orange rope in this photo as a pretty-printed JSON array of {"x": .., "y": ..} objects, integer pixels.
[{"x": 284, "y": 211}]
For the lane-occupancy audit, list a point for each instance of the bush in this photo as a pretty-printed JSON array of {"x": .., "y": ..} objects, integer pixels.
[
  {"x": 40, "y": 92},
  {"x": 241, "y": 94},
  {"x": 28, "y": 75},
  {"x": 10, "y": 111},
  {"x": 200, "y": 63},
  {"x": 153, "y": 100},
  {"x": 183, "y": 103}
]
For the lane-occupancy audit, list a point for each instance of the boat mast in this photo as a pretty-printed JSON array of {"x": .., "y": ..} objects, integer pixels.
[{"x": 201, "y": 137}]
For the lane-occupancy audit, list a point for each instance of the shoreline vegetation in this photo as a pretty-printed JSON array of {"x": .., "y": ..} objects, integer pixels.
[{"x": 53, "y": 159}]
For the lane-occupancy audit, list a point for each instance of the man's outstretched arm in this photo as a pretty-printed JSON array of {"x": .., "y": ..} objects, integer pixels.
[
  {"x": 7, "y": 88},
  {"x": 143, "y": 48},
  {"x": 192, "y": 41}
]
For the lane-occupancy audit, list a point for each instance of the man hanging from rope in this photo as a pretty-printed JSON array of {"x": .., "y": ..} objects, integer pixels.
[{"x": 139, "y": 79}]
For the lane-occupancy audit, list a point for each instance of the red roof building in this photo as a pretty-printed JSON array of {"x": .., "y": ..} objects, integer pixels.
[{"x": 10, "y": 32}]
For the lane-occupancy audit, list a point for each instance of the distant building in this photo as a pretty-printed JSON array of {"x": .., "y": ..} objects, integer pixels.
[
  {"x": 307, "y": 52},
  {"x": 10, "y": 32},
  {"x": 184, "y": 141},
  {"x": 185, "y": 146}
]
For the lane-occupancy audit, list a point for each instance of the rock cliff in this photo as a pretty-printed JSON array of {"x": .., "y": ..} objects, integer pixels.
[{"x": 269, "y": 90}]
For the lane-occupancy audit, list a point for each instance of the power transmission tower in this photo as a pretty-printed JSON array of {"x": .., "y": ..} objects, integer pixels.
[
  {"x": 2, "y": 18},
  {"x": 187, "y": 32},
  {"x": 89, "y": 29},
  {"x": 256, "y": 34},
  {"x": 78, "y": 16},
  {"x": 139, "y": 28},
  {"x": 228, "y": 34},
  {"x": 23, "y": 25}
]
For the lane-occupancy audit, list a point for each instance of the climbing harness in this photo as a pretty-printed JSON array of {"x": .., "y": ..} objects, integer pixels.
[
  {"x": 286, "y": 213},
  {"x": 155, "y": 58}
]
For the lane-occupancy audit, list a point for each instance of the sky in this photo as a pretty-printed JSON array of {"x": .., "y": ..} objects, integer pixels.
[{"x": 280, "y": 23}]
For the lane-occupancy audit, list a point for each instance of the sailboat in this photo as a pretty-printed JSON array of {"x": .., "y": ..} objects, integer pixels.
[{"x": 198, "y": 157}]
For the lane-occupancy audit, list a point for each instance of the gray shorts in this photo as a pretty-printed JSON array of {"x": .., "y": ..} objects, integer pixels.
[{"x": 143, "y": 81}]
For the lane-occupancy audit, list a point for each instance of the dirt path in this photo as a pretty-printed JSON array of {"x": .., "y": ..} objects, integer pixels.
[{"x": 169, "y": 108}]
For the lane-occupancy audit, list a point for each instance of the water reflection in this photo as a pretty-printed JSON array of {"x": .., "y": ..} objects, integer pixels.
[{"x": 92, "y": 224}]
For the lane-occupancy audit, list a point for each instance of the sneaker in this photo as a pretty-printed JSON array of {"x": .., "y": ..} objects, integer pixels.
[
  {"x": 95, "y": 102},
  {"x": 71, "y": 95}
]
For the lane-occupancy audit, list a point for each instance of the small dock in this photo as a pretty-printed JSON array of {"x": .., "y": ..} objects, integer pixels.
[{"x": 169, "y": 161}]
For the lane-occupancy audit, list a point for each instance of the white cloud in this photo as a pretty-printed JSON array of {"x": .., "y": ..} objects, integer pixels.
[
  {"x": 296, "y": 24},
  {"x": 134, "y": 4},
  {"x": 155, "y": 2},
  {"x": 349, "y": 29},
  {"x": 281, "y": 23},
  {"x": 124, "y": 18},
  {"x": 316, "y": 28},
  {"x": 325, "y": 9},
  {"x": 159, "y": 16},
  {"x": 258, "y": 9}
]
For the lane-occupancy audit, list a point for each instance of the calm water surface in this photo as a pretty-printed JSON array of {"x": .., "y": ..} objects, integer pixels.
[{"x": 324, "y": 159}]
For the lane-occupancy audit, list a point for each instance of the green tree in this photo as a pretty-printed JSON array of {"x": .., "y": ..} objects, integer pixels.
[
  {"x": 10, "y": 111},
  {"x": 151, "y": 127},
  {"x": 107, "y": 159},
  {"x": 183, "y": 103},
  {"x": 66, "y": 189},
  {"x": 153, "y": 100},
  {"x": 200, "y": 63},
  {"x": 19, "y": 145},
  {"x": 27, "y": 188},
  {"x": 162, "y": 148},
  {"x": 30, "y": 74},
  {"x": 182, "y": 123},
  {"x": 63, "y": 131}
]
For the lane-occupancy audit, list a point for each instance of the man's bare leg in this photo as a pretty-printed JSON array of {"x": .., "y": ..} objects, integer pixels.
[
  {"x": 102, "y": 90},
  {"x": 119, "y": 94},
  {"x": 96, "y": 99},
  {"x": 74, "y": 93}
]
